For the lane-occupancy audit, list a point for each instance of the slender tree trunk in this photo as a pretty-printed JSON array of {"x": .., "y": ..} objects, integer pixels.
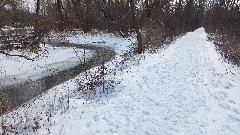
[
  {"x": 136, "y": 27},
  {"x": 87, "y": 21},
  {"x": 60, "y": 15},
  {"x": 148, "y": 9},
  {"x": 106, "y": 13},
  {"x": 36, "y": 29}
]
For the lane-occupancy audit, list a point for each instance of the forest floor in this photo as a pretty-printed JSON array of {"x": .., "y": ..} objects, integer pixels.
[{"x": 186, "y": 88}]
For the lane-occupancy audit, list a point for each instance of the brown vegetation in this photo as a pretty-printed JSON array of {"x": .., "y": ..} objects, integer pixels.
[
  {"x": 5, "y": 104},
  {"x": 222, "y": 22}
]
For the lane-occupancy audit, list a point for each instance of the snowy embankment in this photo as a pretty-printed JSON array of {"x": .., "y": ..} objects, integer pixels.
[
  {"x": 184, "y": 89},
  {"x": 48, "y": 61}
]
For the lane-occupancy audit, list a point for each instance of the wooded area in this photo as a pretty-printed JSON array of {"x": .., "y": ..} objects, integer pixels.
[{"x": 153, "y": 21}]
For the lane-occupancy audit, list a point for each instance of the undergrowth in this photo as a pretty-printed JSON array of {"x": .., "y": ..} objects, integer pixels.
[{"x": 227, "y": 46}]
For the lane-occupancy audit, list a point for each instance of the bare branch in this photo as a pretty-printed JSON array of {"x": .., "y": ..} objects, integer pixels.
[{"x": 16, "y": 55}]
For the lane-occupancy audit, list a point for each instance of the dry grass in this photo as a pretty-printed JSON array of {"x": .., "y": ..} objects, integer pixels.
[{"x": 5, "y": 104}]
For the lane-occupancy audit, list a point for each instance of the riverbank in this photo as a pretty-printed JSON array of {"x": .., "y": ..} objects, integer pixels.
[
  {"x": 49, "y": 60},
  {"x": 56, "y": 62},
  {"x": 23, "y": 92}
]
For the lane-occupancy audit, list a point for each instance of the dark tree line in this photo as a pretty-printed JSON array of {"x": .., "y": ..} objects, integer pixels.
[
  {"x": 154, "y": 21},
  {"x": 223, "y": 16}
]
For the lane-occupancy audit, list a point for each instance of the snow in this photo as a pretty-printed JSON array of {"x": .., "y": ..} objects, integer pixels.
[
  {"x": 48, "y": 61},
  {"x": 184, "y": 89},
  {"x": 96, "y": 38}
]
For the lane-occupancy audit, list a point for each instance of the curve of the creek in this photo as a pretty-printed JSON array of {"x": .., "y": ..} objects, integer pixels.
[{"x": 18, "y": 94}]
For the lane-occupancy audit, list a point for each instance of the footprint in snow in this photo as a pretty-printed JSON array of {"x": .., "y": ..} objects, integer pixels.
[
  {"x": 128, "y": 108},
  {"x": 234, "y": 118},
  {"x": 225, "y": 106},
  {"x": 220, "y": 95},
  {"x": 88, "y": 124},
  {"x": 228, "y": 86},
  {"x": 231, "y": 101},
  {"x": 107, "y": 120},
  {"x": 96, "y": 117},
  {"x": 147, "y": 133},
  {"x": 146, "y": 113}
]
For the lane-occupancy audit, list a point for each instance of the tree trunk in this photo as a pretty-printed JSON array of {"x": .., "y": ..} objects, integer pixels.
[
  {"x": 60, "y": 21},
  {"x": 87, "y": 21},
  {"x": 37, "y": 17},
  {"x": 148, "y": 9},
  {"x": 136, "y": 27}
]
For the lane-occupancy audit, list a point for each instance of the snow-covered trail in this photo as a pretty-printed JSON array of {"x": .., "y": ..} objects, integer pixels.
[{"x": 185, "y": 89}]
